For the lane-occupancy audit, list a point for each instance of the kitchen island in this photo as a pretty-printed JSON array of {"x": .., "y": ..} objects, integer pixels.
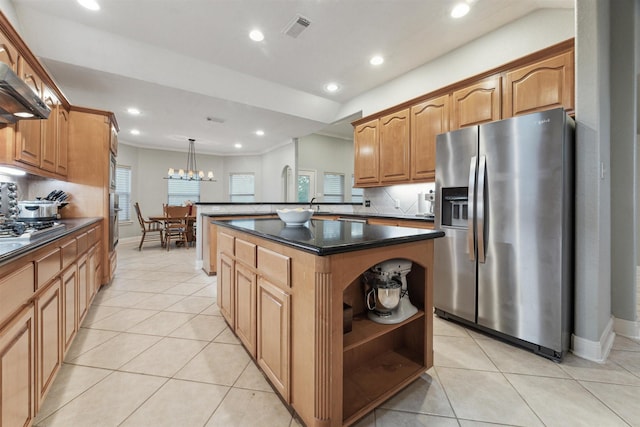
[{"x": 295, "y": 299}]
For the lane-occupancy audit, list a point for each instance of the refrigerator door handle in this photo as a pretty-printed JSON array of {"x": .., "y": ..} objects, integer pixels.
[
  {"x": 471, "y": 207},
  {"x": 482, "y": 174}
]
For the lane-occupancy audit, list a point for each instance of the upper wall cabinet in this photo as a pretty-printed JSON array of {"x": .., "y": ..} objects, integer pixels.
[
  {"x": 540, "y": 81},
  {"x": 545, "y": 84},
  {"x": 29, "y": 132},
  {"x": 367, "y": 153},
  {"x": 8, "y": 53},
  {"x": 477, "y": 103},
  {"x": 394, "y": 147},
  {"x": 428, "y": 119},
  {"x": 36, "y": 146}
]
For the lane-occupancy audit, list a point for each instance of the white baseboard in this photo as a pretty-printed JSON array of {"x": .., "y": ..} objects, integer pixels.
[
  {"x": 596, "y": 351},
  {"x": 627, "y": 328}
]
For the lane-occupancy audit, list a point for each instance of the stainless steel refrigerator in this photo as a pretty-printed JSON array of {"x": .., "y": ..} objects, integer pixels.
[{"x": 505, "y": 202}]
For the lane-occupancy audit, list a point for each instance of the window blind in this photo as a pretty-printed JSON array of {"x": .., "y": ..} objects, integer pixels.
[
  {"x": 333, "y": 187},
  {"x": 123, "y": 190},
  {"x": 357, "y": 194},
  {"x": 181, "y": 190},
  {"x": 242, "y": 187}
]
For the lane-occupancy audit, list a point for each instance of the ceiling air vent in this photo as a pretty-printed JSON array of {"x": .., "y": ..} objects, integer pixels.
[
  {"x": 215, "y": 119},
  {"x": 296, "y": 26}
]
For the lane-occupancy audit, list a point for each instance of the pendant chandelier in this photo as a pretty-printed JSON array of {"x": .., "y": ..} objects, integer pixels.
[{"x": 191, "y": 173}]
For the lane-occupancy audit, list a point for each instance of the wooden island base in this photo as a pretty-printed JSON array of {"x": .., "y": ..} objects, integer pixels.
[{"x": 287, "y": 307}]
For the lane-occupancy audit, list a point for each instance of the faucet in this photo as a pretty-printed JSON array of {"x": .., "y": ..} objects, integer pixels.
[{"x": 311, "y": 203}]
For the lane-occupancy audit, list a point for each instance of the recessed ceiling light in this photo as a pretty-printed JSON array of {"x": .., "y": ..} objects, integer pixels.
[
  {"x": 376, "y": 60},
  {"x": 133, "y": 111},
  {"x": 256, "y": 35},
  {"x": 460, "y": 10},
  {"x": 259, "y": 132},
  {"x": 238, "y": 145},
  {"x": 135, "y": 132},
  {"x": 89, "y": 4},
  {"x": 331, "y": 87}
]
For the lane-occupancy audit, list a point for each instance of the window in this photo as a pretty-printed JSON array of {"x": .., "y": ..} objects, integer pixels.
[
  {"x": 357, "y": 194},
  {"x": 181, "y": 190},
  {"x": 123, "y": 191},
  {"x": 306, "y": 185},
  {"x": 242, "y": 187},
  {"x": 333, "y": 187}
]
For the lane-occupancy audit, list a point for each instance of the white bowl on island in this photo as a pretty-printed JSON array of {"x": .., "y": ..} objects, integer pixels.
[{"x": 296, "y": 216}]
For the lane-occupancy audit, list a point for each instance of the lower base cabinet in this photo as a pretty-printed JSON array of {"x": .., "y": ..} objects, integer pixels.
[
  {"x": 35, "y": 339},
  {"x": 17, "y": 373},
  {"x": 273, "y": 335},
  {"x": 246, "y": 307},
  {"x": 48, "y": 337}
]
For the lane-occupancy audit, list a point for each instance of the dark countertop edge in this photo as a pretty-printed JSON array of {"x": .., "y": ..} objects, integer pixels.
[
  {"x": 276, "y": 203},
  {"x": 72, "y": 225},
  {"x": 347, "y": 215},
  {"x": 351, "y": 247}
]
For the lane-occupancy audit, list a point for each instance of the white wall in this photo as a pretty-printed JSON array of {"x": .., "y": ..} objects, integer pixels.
[
  {"x": 6, "y": 6},
  {"x": 273, "y": 163},
  {"x": 326, "y": 154},
  {"x": 533, "y": 32}
]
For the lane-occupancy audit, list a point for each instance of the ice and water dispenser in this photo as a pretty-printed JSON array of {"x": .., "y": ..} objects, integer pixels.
[{"x": 455, "y": 208}]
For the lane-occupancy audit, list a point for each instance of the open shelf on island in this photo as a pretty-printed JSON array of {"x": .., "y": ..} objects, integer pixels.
[
  {"x": 364, "y": 330},
  {"x": 375, "y": 380}
]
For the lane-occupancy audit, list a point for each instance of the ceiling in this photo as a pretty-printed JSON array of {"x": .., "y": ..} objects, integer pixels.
[{"x": 192, "y": 70}]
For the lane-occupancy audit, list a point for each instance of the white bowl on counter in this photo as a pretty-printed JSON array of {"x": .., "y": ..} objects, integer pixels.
[{"x": 294, "y": 217}]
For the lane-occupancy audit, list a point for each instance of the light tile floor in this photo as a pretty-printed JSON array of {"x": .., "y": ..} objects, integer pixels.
[{"x": 154, "y": 351}]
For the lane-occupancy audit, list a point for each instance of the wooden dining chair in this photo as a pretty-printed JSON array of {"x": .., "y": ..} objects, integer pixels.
[
  {"x": 175, "y": 226},
  {"x": 149, "y": 227}
]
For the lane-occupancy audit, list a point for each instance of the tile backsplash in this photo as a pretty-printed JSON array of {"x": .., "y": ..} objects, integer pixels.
[{"x": 384, "y": 199}]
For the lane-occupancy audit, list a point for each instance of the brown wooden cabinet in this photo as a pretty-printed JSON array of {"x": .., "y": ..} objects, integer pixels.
[
  {"x": 245, "y": 297},
  {"x": 17, "y": 371},
  {"x": 428, "y": 119},
  {"x": 8, "y": 53},
  {"x": 49, "y": 318},
  {"x": 28, "y": 142},
  {"x": 69, "y": 305},
  {"x": 477, "y": 103},
  {"x": 545, "y": 84},
  {"x": 226, "y": 291},
  {"x": 273, "y": 324},
  {"x": 62, "y": 155},
  {"x": 367, "y": 153},
  {"x": 83, "y": 287},
  {"x": 394, "y": 147}
]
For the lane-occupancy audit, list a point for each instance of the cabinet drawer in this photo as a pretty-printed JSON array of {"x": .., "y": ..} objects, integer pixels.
[
  {"x": 15, "y": 290},
  {"x": 47, "y": 267},
  {"x": 69, "y": 252},
  {"x": 226, "y": 243},
  {"x": 83, "y": 242},
  {"x": 275, "y": 266},
  {"x": 246, "y": 252}
]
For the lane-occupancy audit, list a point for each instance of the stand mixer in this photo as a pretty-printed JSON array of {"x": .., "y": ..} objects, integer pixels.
[{"x": 387, "y": 285}]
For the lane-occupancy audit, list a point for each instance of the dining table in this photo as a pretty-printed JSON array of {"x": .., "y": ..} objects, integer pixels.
[{"x": 189, "y": 220}]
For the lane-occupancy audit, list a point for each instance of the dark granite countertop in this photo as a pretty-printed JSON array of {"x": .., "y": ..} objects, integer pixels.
[
  {"x": 11, "y": 250},
  {"x": 330, "y": 237},
  {"x": 420, "y": 218}
]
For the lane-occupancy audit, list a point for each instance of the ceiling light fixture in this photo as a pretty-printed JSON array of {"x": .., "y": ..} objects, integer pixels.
[
  {"x": 331, "y": 87},
  {"x": 135, "y": 132},
  {"x": 460, "y": 10},
  {"x": 260, "y": 132},
  {"x": 133, "y": 111},
  {"x": 238, "y": 145},
  {"x": 89, "y": 4},
  {"x": 256, "y": 35},
  {"x": 376, "y": 60},
  {"x": 191, "y": 173}
]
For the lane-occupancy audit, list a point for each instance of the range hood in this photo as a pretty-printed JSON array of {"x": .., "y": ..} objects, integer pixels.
[{"x": 17, "y": 99}]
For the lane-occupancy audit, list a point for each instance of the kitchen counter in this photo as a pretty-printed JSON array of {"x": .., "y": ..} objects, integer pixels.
[
  {"x": 418, "y": 218},
  {"x": 12, "y": 250},
  {"x": 325, "y": 237},
  {"x": 294, "y": 297}
]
